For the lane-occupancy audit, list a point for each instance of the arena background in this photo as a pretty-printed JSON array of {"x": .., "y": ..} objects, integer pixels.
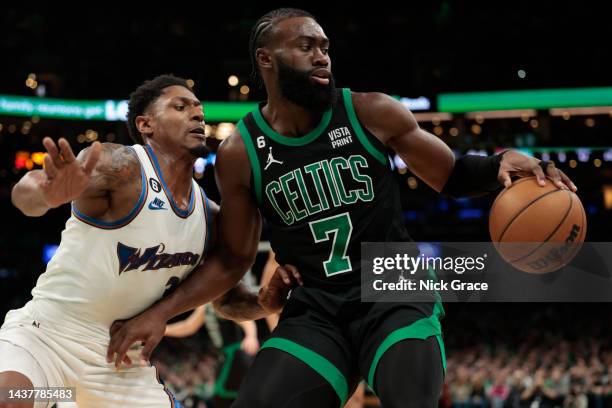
[{"x": 481, "y": 76}]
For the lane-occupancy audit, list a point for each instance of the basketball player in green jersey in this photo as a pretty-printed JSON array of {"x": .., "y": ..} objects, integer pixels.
[{"x": 312, "y": 160}]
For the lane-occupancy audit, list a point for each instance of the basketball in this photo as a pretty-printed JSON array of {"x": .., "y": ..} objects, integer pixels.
[{"x": 537, "y": 229}]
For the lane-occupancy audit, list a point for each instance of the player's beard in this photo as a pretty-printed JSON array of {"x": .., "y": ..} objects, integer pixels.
[{"x": 296, "y": 86}]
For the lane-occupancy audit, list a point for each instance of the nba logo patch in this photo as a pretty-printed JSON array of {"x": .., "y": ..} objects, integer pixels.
[{"x": 155, "y": 186}]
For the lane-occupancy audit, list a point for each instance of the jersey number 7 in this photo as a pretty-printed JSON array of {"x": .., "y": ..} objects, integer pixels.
[{"x": 337, "y": 228}]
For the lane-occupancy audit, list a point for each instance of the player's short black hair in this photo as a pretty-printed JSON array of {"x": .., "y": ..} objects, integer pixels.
[
  {"x": 144, "y": 96},
  {"x": 260, "y": 33}
]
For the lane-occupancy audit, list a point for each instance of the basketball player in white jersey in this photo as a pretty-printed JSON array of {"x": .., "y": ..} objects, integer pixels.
[{"x": 140, "y": 224}]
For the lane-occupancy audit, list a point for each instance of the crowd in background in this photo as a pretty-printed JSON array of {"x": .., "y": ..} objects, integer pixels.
[
  {"x": 556, "y": 373},
  {"x": 498, "y": 355}
]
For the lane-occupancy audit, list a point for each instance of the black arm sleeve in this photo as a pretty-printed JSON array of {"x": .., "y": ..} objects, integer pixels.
[{"x": 473, "y": 176}]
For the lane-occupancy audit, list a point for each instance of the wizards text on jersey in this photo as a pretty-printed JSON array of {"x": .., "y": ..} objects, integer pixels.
[{"x": 152, "y": 258}]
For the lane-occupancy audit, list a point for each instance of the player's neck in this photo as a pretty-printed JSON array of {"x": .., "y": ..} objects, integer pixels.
[
  {"x": 287, "y": 118},
  {"x": 177, "y": 172}
]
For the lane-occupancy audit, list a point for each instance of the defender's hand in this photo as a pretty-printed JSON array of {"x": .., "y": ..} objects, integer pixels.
[
  {"x": 273, "y": 296},
  {"x": 147, "y": 327},
  {"x": 66, "y": 178}
]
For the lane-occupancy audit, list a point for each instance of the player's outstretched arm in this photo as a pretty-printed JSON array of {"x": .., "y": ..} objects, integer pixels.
[{"x": 430, "y": 159}]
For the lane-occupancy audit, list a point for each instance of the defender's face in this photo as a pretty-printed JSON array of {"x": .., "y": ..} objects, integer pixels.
[
  {"x": 301, "y": 44},
  {"x": 178, "y": 118}
]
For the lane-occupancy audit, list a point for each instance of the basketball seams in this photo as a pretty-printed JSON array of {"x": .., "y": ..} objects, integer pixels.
[
  {"x": 505, "y": 190},
  {"x": 523, "y": 210},
  {"x": 569, "y": 209},
  {"x": 498, "y": 198},
  {"x": 582, "y": 236}
]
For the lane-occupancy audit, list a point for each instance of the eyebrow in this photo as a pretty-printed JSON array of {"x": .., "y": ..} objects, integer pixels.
[
  {"x": 184, "y": 99},
  {"x": 313, "y": 38}
]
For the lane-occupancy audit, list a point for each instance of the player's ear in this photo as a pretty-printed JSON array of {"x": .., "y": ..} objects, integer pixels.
[
  {"x": 143, "y": 124},
  {"x": 263, "y": 58}
]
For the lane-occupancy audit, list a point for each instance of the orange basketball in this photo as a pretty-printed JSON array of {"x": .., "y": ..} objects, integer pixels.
[{"x": 537, "y": 229}]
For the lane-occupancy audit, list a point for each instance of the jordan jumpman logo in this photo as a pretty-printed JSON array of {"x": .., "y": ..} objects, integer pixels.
[{"x": 271, "y": 160}]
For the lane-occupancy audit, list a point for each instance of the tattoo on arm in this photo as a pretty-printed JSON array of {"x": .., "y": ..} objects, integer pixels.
[{"x": 120, "y": 165}]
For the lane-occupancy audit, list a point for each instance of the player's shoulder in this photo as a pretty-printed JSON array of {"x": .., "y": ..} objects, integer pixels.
[
  {"x": 370, "y": 99},
  {"x": 120, "y": 156},
  {"x": 233, "y": 161},
  {"x": 213, "y": 207},
  {"x": 110, "y": 147},
  {"x": 117, "y": 162},
  {"x": 233, "y": 146},
  {"x": 378, "y": 108},
  {"x": 110, "y": 151}
]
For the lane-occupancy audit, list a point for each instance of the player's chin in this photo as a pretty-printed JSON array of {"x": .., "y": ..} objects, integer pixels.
[{"x": 198, "y": 148}]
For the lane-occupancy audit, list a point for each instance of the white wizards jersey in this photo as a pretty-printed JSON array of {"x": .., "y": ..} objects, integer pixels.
[{"x": 105, "y": 271}]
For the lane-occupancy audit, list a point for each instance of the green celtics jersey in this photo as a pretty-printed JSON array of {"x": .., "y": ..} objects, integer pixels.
[{"x": 324, "y": 193}]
